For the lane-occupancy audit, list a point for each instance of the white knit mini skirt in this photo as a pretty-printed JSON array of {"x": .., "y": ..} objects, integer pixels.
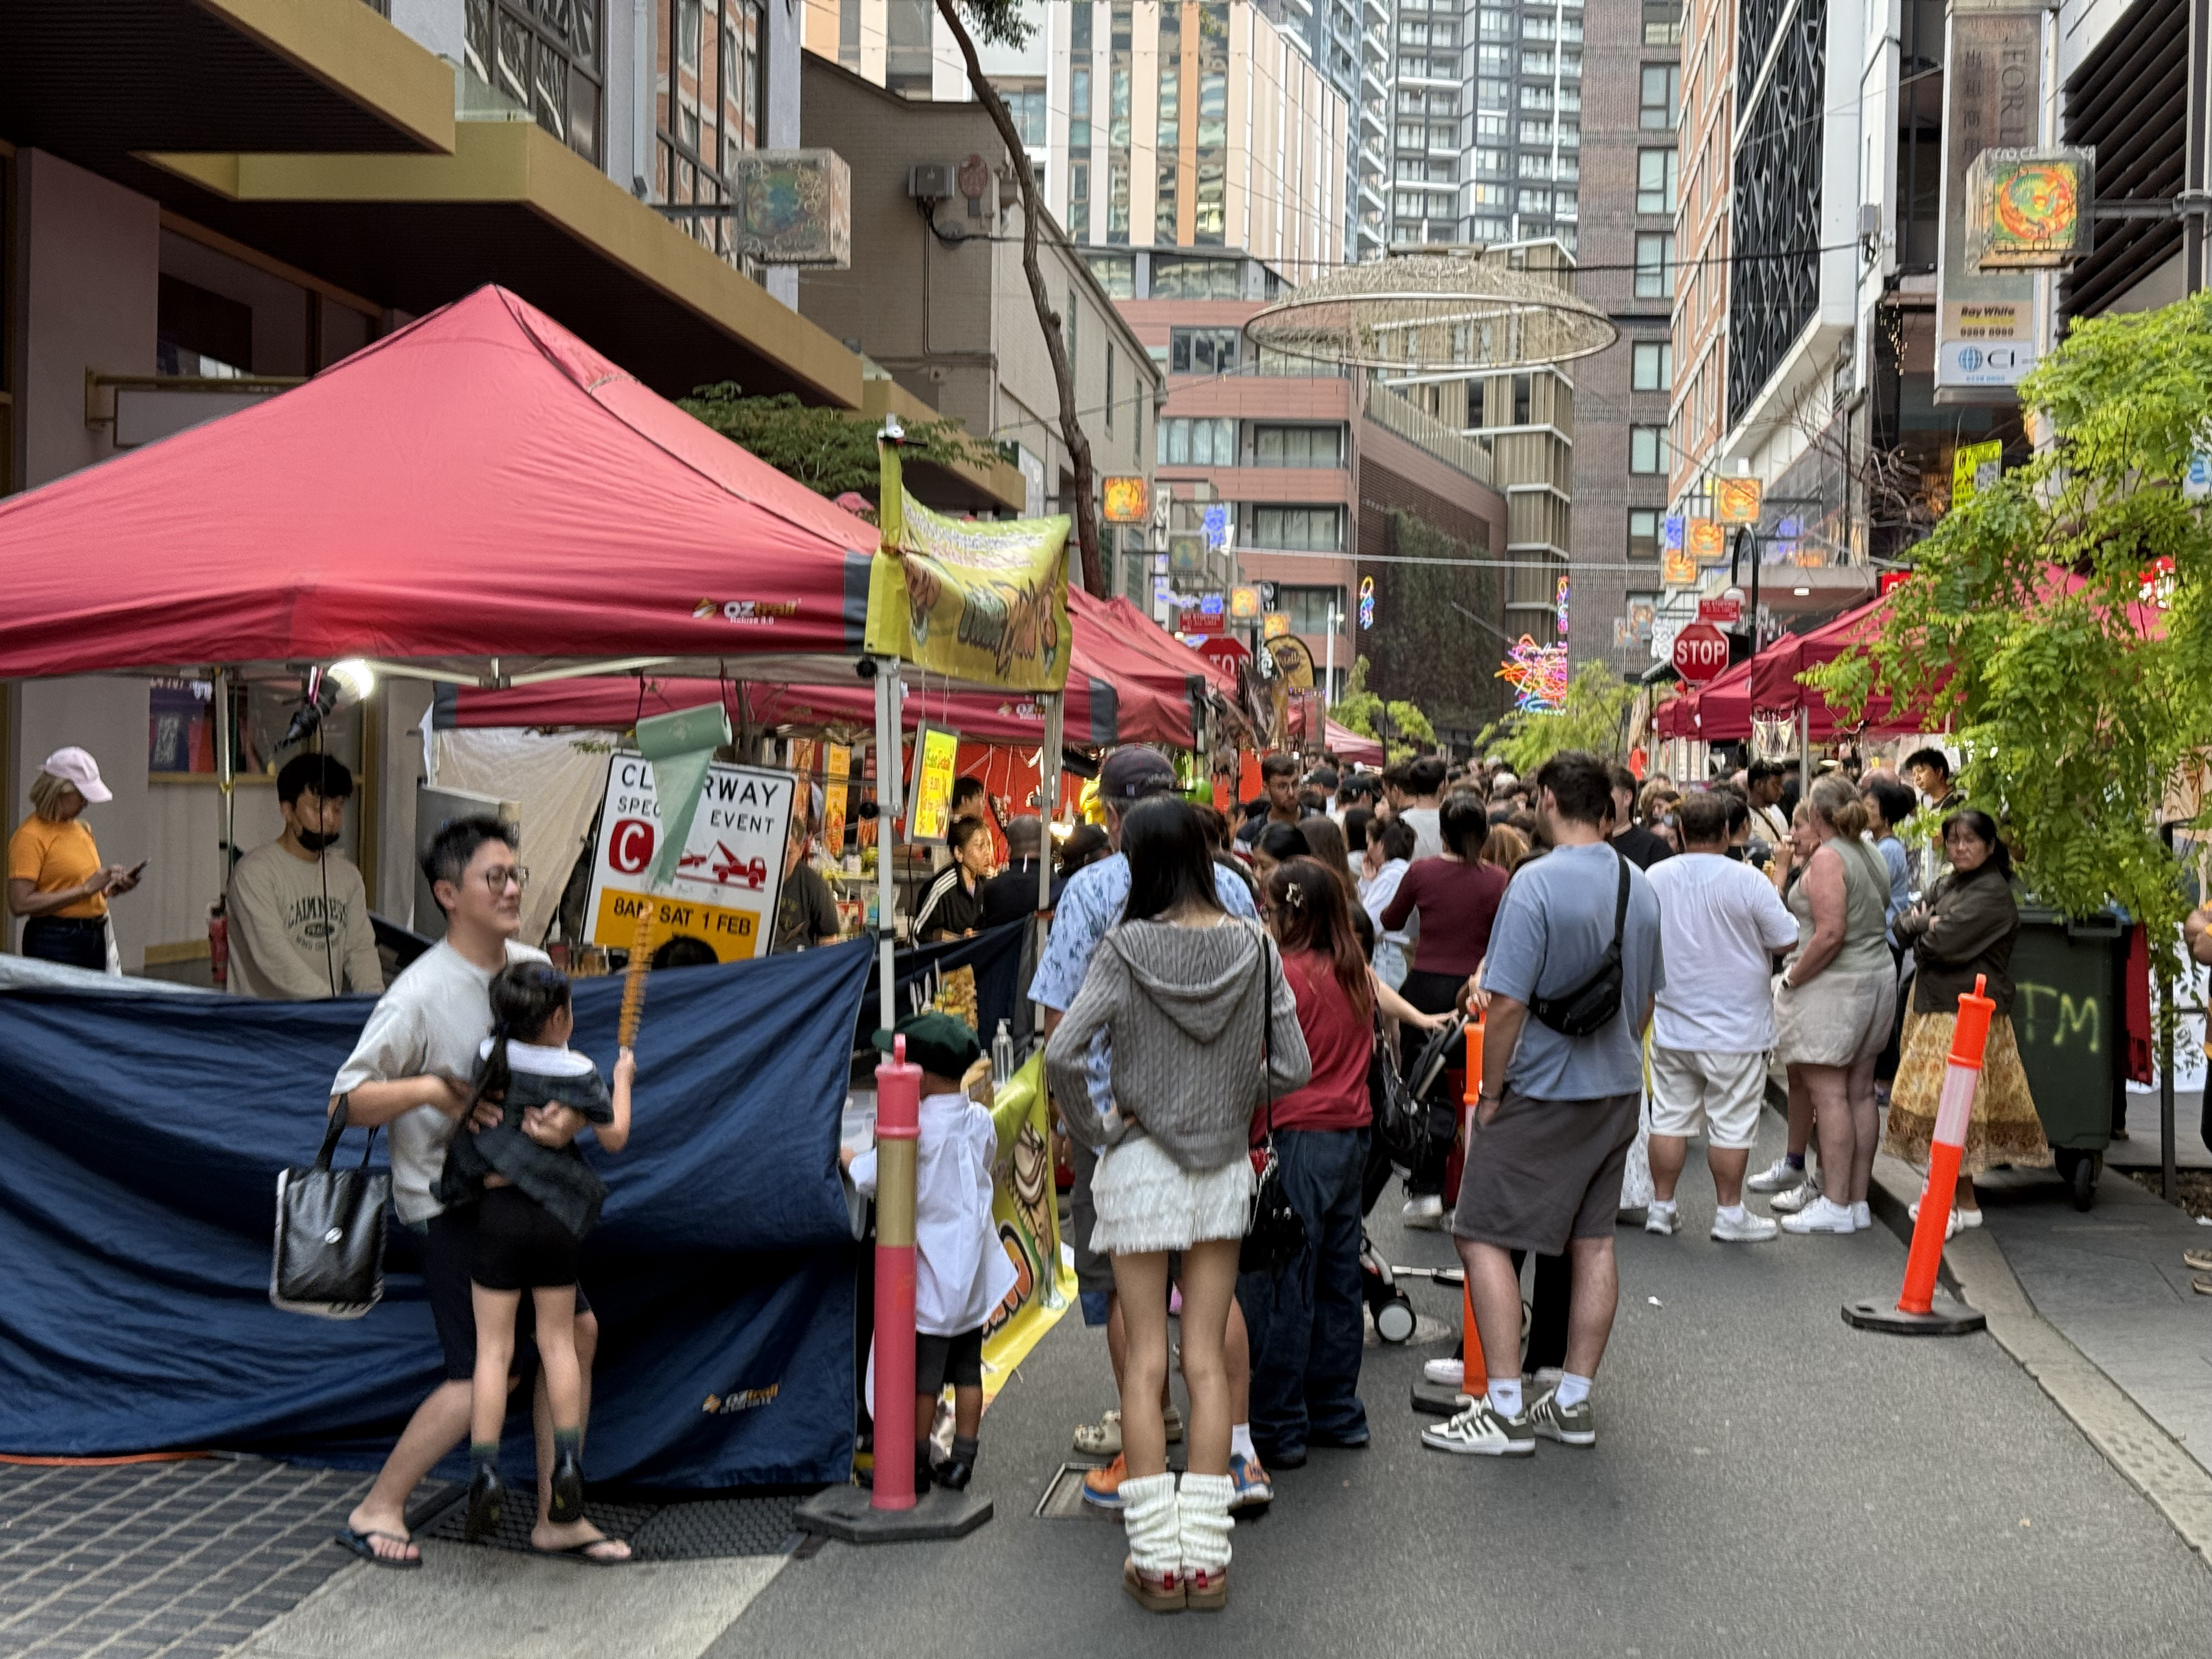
[{"x": 1147, "y": 1201}]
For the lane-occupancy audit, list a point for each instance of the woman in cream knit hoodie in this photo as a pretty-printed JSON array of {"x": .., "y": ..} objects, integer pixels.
[{"x": 1202, "y": 1030}]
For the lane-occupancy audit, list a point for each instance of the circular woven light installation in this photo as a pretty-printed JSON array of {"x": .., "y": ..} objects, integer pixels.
[{"x": 1433, "y": 313}]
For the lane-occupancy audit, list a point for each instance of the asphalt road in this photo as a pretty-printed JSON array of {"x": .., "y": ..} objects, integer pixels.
[{"x": 1766, "y": 1480}]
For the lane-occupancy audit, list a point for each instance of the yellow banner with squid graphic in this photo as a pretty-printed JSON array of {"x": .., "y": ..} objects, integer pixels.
[
  {"x": 1025, "y": 1207},
  {"x": 986, "y": 603}
]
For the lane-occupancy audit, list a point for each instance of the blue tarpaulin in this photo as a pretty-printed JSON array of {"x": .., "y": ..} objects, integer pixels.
[{"x": 140, "y": 1140}]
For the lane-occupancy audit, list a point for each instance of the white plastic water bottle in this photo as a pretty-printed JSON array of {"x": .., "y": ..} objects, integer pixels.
[{"x": 1002, "y": 1056}]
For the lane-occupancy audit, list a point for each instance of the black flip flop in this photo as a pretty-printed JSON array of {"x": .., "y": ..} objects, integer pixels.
[
  {"x": 583, "y": 1553},
  {"x": 357, "y": 1543}
]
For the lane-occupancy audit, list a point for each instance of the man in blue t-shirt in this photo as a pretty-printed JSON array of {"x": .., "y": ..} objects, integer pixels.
[{"x": 1558, "y": 1112}]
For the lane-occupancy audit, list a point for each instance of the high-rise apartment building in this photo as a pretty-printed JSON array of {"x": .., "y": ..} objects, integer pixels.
[
  {"x": 1151, "y": 123},
  {"x": 1628, "y": 268},
  {"x": 1429, "y": 99},
  {"x": 1350, "y": 43},
  {"x": 1521, "y": 92}
]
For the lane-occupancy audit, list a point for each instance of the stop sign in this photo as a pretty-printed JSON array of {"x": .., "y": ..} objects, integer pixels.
[{"x": 1701, "y": 651}]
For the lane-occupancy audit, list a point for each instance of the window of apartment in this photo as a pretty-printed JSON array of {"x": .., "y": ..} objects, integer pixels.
[
  {"x": 1659, "y": 103},
  {"x": 1537, "y": 29},
  {"x": 1188, "y": 442},
  {"x": 1443, "y": 135},
  {"x": 1642, "y": 532},
  {"x": 1652, "y": 366},
  {"x": 1494, "y": 60},
  {"x": 1536, "y": 61},
  {"x": 1201, "y": 350},
  {"x": 1309, "y": 608},
  {"x": 1525, "y": 392},
  {"x": 1564, "y": 203},
  {"x": 1570, "y": 135},
  {"x": 1662, "y": 25},
  {"x": 1535, "y": 166},
  {"x": 1496, "y": 25},
  {"x": 1177, "y": 277},
  {"x": 1490, "y": 127},
  {"x": 1487, "y": 230},
  {"x": 1493, "y": 94},
  {"x": 1655, "y": 264},
  {"x": 1078, "y": 200},
  {"x": 1535, "y": 97},
  {"x": 1493, "y": 195},
  {"x": 1297, "y": 445},
  {"x": 1647, "y": 449},
  {"x": 1296, "y": 529},
  {"x": 1287, "y": 366},
  {"x": 1025, "y": 103},
  {"x": 1535, "y": 200},
  {"x": 1490, "y": 162},
  {"x": 1110, "y": 388},
  {"x": 550, "y": 60},
  {"x": 1116, "y": 273},
  {"x": 1656, "y": 172},
  {"x": 1568, "y": 168},
  {"x": 1535, "y": 132},
  {"x": 1413, "y": 134},
  {"x": 1571, "y": 66}
]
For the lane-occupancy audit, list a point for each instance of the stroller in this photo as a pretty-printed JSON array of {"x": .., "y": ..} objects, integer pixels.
[{"x": 1402, "y": 1125}]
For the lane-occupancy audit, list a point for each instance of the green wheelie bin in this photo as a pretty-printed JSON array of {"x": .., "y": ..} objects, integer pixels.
[{"x": 2069, "y": 1016}]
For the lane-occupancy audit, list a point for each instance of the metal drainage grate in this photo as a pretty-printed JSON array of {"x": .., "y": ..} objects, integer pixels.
[
  {"x": 1063, "y": 1495},
  {"x": 697, "y": 1530}
]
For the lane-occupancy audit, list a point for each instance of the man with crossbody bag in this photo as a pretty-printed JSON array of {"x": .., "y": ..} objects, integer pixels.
[{"x": 1573, "y": 966}]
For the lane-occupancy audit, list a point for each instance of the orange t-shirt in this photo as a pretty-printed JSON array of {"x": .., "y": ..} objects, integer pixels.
[{"x": 52, "y": 856}]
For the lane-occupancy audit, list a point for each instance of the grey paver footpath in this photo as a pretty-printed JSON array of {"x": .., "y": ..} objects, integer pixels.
[
  {"x": 169, "y": 1560},
  {"x": 2110, "y": 1279}
]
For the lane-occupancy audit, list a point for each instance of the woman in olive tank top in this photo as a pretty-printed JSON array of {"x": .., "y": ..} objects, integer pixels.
[{"x": 1833, "y": 1002}]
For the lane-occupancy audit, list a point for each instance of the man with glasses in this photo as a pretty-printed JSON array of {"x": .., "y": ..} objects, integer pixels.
[{"x": 414, "y": 1069}]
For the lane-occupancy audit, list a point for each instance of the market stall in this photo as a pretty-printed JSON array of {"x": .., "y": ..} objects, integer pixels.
[{"x": 479, "y": 500}]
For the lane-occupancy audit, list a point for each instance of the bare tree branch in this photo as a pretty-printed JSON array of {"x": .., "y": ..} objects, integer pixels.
[{"x": 1055, "y": 345}]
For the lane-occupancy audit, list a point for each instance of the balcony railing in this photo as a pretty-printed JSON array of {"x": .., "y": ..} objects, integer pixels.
[{"x": 1395, "y": 413}]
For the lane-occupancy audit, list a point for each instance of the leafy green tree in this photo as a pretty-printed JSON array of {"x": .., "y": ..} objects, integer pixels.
[
  {"x": 1400, "y": 726},
  {"x": 1002, "y": 23},
  {"x": 2083, "y": 709},
  {"x": 1594, "y": 716},
  {"x": 828, "y": 450}
]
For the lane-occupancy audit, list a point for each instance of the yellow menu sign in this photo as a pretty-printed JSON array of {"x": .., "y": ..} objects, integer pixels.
[{"x": 929, "y": 803}]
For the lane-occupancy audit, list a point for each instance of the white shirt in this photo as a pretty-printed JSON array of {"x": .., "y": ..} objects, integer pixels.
[
  {"x": 1428, "y": 838},
  {"x": 1375, "y": 898},
  {"x": 1768, "y": 823},
  {"x": 432, "y": 1020},
  {"x": 961, "y": 1270},
  {"x": 1720, "y": 922}
]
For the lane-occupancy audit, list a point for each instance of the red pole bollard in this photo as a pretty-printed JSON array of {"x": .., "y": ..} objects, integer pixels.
[
  {"x": 898, "y": 1127},
  {"x": 1916, "y": 1313}
]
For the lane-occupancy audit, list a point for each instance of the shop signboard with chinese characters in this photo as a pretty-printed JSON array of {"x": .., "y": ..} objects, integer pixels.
[
  {"x": 1678, "y": 569},
  {"x": 1986, "y": 319},
  {"x": 725, "y": 887},
  {"x": 1974, "y": 468},
  {"x": 1706, "y": 542},
  {"x": 1244, "y": 603},
  {"x": 929, "y": 799}
]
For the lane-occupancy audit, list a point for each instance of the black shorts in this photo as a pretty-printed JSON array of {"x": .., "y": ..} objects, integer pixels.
[
  {"x": 449, "y": 1248},
  {"x": 519, "y": 1246},
  {"x": 941, "y": 1360}
]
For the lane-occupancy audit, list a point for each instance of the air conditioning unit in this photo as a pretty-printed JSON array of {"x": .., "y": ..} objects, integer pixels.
[{"x": 932, "y": 181}]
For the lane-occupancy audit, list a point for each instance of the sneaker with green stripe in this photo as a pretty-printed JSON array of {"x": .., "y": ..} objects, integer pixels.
[
  {"x": 1571, "y": 1425},
  {"x": 1481, "y": 1432}
]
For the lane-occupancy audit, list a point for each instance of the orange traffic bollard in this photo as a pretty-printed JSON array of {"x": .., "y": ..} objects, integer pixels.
[
  {"x": 1917, "y": 1312},
  {"x": 1472, "y": 1367}
]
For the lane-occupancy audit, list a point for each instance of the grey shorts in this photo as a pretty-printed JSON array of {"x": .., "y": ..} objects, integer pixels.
[
  {"x": 1543, "y": 1171},
  {"x": 1093, "y": 1272}
]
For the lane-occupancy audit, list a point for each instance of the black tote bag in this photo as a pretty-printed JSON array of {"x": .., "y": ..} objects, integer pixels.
[
  {"x": 329, "y": 1254},
  {"x": 1276, "y": 1234}
]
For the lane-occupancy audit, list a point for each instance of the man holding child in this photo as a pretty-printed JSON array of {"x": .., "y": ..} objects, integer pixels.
[{"x": 413, "y": 1069}]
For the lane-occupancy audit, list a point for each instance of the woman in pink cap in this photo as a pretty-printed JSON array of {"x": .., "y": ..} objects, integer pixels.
[{"x": 55, "y": 877}]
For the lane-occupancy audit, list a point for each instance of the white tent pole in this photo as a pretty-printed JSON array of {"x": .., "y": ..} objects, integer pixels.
[
  {"x": 889, "y": 795},
  {"x": 1055, "y": 722},
  {"x": 226, "y": 776}
]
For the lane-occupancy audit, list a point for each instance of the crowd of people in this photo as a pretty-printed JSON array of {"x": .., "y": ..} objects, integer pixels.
[{"x": 1223, "y": 1000}]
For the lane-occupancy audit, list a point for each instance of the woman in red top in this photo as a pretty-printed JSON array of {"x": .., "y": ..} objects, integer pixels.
[
  {"x": 1305, "y": 1322},
  {"x": 1456, "y": 897}
]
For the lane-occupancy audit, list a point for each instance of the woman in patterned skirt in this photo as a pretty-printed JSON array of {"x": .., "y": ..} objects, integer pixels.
[{"x": 1965, "y": 927}]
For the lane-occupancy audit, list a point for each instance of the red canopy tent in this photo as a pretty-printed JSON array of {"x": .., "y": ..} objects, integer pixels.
[
  {"x": 480, "y": 495},
  {"x": 1348, "y": 745}
]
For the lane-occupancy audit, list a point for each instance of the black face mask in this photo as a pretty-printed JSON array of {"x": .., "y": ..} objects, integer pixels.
[{"x": 314, "y": 840}]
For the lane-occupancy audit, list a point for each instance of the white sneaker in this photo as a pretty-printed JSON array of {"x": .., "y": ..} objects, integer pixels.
[
  {"x": 1796, "y": 1198},
  {"x": 1751, "y": 1230},
  {"x": 1778, "y": 1177},
  {"x": 1862, "y": 1215},
  {"x": 1449, "y": 1373},
  {"x": 1426, "y": 1212},
  {"x": 1546, "y": 1377},
  {"x": 1822, "y": 1215},
  {"x": 1665, "y": 1221},
  {"x": 1959, "y": 1219},
  {"x": 1479, "y": 1431}
]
